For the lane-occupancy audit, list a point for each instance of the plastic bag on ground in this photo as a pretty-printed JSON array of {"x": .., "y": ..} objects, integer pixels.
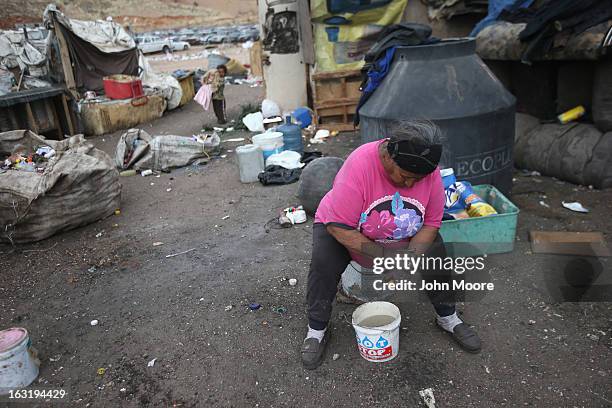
[
  {"x": 254, "y": 122},
  {"x": 287, "y": 159},
  {"x": 279, "y": 175},
  {"x": 270, "y": 109}
]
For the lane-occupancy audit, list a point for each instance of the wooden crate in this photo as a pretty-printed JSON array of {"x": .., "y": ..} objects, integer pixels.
[{"x": 335, "y": 98}]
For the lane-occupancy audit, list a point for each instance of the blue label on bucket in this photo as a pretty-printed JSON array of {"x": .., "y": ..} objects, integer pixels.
[
  {"x": 382, "y": 342},
  {"x": 367, "y": 343}
]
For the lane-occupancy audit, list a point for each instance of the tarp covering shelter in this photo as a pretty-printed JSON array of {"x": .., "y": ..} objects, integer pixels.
[{"x": 97, "y": 49}]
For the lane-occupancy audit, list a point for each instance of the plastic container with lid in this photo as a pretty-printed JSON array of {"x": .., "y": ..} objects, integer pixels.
[{"x": 250, "y": 162}]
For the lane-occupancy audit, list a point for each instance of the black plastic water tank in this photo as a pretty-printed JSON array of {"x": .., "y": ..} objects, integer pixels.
[{"x": 450, "y": 85}]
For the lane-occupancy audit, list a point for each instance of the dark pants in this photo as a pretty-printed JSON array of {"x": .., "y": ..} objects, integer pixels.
[
  {"x": 330, "y": 259},
  {"x": 219, "y": 108}
]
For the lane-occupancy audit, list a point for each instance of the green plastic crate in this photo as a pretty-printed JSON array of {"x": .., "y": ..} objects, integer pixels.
[{"x": 493, "y": 234}]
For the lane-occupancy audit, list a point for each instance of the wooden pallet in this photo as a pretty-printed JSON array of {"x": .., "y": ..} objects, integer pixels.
[{"x": 336, "y": 95}]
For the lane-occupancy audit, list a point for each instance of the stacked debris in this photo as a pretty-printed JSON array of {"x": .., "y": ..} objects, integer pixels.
[
  {"x": 447, "y": 9},
  {"x": 22, "y": 160}
]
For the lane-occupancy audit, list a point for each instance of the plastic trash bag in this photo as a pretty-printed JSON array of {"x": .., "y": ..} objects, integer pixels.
[
  {"x": 270, "y": 109},
  {"x": 254, "y": 122},
  {"x": 279, "y": 175},
  {"x": 287, "y": 159}
]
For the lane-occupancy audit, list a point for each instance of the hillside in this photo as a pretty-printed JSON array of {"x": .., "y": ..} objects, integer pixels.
[{"x": 142, "y": 15}]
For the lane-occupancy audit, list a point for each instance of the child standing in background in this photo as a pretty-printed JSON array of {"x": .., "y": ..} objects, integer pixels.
[{"x": 215, "y": 78}]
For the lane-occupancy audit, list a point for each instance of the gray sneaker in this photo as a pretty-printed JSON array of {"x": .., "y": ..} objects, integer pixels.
[{"x": 313, "y": 351}]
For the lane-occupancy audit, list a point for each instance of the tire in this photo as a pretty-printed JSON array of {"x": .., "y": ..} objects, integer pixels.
[
  {"x": 185, "y": 48},
  {"x": 166, "y": 49}
]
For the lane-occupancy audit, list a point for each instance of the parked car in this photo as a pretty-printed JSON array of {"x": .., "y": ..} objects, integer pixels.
[
  {"x": 180, "y": 45},
  {"x": 232, "y": 37},
  {"x": 216, "y": 39},
  {"x": 149, "y": 44}
]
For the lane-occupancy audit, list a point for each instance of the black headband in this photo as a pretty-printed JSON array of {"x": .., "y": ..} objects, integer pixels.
[{"x": 414, "y": 157}]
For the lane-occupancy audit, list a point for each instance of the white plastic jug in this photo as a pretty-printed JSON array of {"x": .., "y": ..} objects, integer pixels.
[
  {"x": 250, "y": 162},
  {"x": 376, "y": 327},
  {"x": 269, "y": 142}
]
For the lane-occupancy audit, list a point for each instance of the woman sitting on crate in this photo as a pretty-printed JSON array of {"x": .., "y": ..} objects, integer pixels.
[{"x": 387, "y": 192}]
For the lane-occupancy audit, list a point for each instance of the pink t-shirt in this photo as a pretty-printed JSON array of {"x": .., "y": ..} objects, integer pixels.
[{"x": 364, "y": 197}]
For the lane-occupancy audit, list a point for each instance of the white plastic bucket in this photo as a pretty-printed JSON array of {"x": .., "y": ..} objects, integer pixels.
[
  {"x": 377, "y": 343},
  {"x": 250, "y": 162},
  {"x": 18, "y": 361},
  {"x": 269, "y": 142}
]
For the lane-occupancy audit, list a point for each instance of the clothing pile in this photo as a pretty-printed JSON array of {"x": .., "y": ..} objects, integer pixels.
[
  {"x": 378, "y": 58},
  {"x": 32, "y": 162},
  {"x": 542, "y": 26},
  {"x": 554, "y": 22}
]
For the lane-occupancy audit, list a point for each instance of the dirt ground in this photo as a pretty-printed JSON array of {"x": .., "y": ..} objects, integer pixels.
[{"x": 537, "y": 351}]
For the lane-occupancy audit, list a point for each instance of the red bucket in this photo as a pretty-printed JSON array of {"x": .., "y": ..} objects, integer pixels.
[{"x": 122, "y": 87}]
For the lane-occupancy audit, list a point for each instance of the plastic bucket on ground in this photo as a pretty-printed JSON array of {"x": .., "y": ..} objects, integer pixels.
[
  {"x": 269, "y": 142},
  {"x": 376, "y": 327},
  {"x": 250, "y": 162},
  {"x": 18, "y": 363}
]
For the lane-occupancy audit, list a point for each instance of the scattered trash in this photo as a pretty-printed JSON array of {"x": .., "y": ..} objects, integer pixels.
[
  {"x": 292, "y": 282},
  {"x": 571, "y": 115},
  {"x": 543, "y": 204},
  {"x": 122, "y": 390},
  {"x": 157, "y": 244},
  {"x": 228, "y": 308},
  {"x": 99, "y": 234},
  {"x": 94, "y": 322},
  {"x": 223, "y": 156},
  {"x": 218, "y": 129},
  {"x": 487, "y": 370},
  {"x": 254, "y": 306},
  {"x": 127, "y": 173},
  {"x": 225, "y": 217},
  {"x": 229, "y": 129},
  {"x": 532, "y": 322},
  {"x": 279, "y": 309},
  {"x": 236, "y": 139},
  {"x": 575, "y": 206},
  {"x": 296, "y": 215},
  {"x": 92, "y": 269},
  {"x": 254, "y": 122},
  {"x": 146, "y": 172},
  {"x": 180, "y": 253},
  {"x": 428, "y": 397},
  {"x": 593, "y": 337},
  {"x": 168, "y": 190},
  {"x": 151, "y": 363},
  {"x": 336, "y": 356},
  {"x": 287, "y": 159},
  {"x": 270, "y": 109},
  {"x": 101, "y": 371},
  {"x": 117, "y": 212}
]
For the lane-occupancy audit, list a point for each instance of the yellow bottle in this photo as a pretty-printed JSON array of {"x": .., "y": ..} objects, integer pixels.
[{"x": 572, "y": 114}]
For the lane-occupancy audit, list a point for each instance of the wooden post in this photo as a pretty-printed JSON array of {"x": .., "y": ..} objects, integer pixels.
[
  {"x": 31, "y": 119},
  {"x": 65, "y": 57},
  {"x": 68, "y": 115}
]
